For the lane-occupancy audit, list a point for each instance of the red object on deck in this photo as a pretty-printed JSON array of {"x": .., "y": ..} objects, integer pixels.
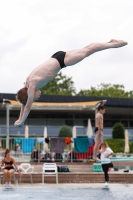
[{"x": 85, "y": 155}]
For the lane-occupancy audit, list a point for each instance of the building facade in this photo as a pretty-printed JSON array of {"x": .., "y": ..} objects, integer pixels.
[{"x": 117, "y": 110}]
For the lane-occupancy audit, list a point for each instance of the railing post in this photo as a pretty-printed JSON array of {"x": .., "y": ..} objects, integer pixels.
[
  {"x": 38, "y": 148},
  {"x": 7, "y": 126}
]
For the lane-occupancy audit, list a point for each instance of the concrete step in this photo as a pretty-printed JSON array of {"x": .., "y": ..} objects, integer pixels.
[
  {"x": 72, "y": 168},
  {"x": 79, "y": 177}
]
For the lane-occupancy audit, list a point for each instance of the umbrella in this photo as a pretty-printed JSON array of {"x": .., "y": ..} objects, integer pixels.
[
  {"x": 74, "y": 132},
  {"x": 45, "y": 146},
  {"x": 126, "y": 142},
  {"x": 74, "y": 135},
  {"x": 26, "y": 131},
  {"x": 89, "y": 129},
  {"x": 45, "y": 132}
]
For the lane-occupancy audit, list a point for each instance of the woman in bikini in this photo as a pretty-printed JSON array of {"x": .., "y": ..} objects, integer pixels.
[{"x": 9, "y": 165}]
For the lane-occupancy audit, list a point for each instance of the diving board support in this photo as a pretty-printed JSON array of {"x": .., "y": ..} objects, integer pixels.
[{"x": 7, "y": 125}]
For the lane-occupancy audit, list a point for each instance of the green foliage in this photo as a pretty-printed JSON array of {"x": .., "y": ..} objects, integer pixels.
[
  {"x": 118, "y": 145},
  {"x": 63, "y": 85},
  {"x": 60, "y": 85},
  {"x": 107, "y": 90},
  {"x": 118, "y": 131},
  {"x": 65, "y": 131}
]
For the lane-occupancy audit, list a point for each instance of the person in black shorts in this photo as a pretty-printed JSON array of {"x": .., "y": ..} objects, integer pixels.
[
  {"x": 60, "y": 55},
  {"x": 45, "y": 72}
]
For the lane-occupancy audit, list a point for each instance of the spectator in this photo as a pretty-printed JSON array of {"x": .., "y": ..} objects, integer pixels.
[
  {"x": 106, "y": 152},
  {"x": 10, "y": 167}
]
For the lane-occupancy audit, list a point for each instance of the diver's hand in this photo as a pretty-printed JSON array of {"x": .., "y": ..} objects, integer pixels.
[
  {"x": 19, "y": 124},
  {"x": 16, "y": 122}
]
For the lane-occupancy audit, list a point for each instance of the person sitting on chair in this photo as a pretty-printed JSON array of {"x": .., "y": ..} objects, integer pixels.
[{"x": 10, "y": 167}]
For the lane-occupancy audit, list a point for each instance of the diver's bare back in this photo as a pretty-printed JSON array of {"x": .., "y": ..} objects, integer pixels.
[{"x": 42, "y": 74}]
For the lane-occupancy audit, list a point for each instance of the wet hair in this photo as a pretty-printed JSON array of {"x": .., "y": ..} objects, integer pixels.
[
  {"x": 7, "y": 151},
  {"x": 22, "y": 96},
  {"x": 101, "y": 107}
]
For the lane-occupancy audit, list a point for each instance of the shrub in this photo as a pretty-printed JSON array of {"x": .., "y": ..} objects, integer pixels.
[
  {"x": 118, "y": 145},
  {"x": 118, "y": 131},
  {"x": 65, "y": 131},
  {"x": 131, "y": 146}
]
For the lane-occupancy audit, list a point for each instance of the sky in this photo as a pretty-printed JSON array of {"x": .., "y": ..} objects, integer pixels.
[{"x": 33, "y": 30}]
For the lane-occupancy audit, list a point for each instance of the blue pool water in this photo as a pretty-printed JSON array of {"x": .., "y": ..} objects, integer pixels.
[{"x": 118, "y": 192}]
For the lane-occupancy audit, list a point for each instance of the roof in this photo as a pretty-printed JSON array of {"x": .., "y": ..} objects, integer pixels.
[
  {"x": 55, "y": 105},
  {"x": 111, "y": 102}
]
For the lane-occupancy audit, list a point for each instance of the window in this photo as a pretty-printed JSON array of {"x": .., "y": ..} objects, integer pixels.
[
  {"x": 131, "y": 123},
  {"x": 125, "y": 123},
  {"x": 69, "y": 122},
  {"x": 110, "y": 123}
]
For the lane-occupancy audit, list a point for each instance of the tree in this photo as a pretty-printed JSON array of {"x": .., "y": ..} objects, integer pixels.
[
  {"x": 60, "y": 85},
  {"x": 65, "y": 131},
  {"x": 118, "y": 131},
  {"x": 107, "y": 90}
]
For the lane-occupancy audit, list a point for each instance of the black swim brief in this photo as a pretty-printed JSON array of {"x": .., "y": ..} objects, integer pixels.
[
  {"x": 8, "y": 168},
  {"x": 96, "y": 129},
  {"x": 60, "y": 55}
]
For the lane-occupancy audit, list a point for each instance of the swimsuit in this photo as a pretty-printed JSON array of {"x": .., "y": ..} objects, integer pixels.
[
  {"x": 8, "y": 168},
  {"x": 96, "y": 129},
  {"x": 60, "y": 55},
  {"x": 9, "y": 163}
]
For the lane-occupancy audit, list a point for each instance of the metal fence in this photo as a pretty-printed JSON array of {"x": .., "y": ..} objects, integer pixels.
[
  {"x": 41, "y": 152},
  {"x": 53, "y": 131}
]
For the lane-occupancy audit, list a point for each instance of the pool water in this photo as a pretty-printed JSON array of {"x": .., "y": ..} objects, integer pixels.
[{"x": 86, "y": 192}]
